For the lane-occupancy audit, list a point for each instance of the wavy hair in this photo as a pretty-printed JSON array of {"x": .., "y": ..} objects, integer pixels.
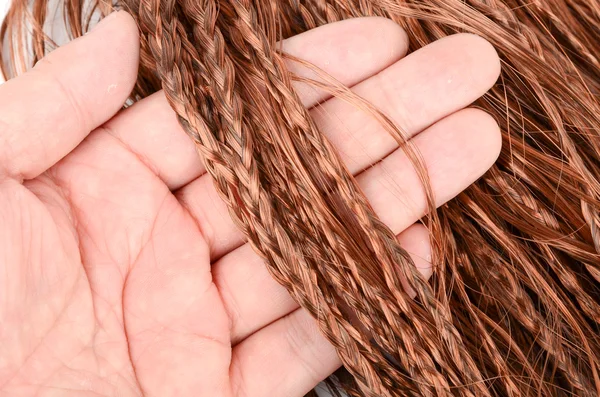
[{"x": 513, "y": 308}]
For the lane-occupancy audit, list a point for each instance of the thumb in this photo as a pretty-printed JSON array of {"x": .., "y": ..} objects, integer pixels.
[{"x": 47, "y": 112}]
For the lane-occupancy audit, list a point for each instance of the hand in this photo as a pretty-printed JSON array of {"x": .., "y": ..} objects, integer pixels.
[{"x": 121, "y": 273}]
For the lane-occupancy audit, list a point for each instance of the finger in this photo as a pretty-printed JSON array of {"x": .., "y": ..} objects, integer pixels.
[
  {"x": 48, "y": 111},
  {"x": 416, "y": 92},
  {"x": 177, "y": 329},
  {"x": 288, "y": 358},
  {"x": 290, "y": 351},
  {"x": 456, "y": 150},
  {"x": 350, "y": 51},
  {"x": 253, "y": 299}
]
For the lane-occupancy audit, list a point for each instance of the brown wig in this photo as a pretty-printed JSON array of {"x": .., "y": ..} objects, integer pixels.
[{"x": 513, "y": 308}]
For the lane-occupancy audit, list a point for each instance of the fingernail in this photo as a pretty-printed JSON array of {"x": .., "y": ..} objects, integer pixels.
[{"x": 105, "y": 21}]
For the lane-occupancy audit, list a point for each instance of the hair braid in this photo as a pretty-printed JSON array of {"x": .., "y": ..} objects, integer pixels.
[{"x": 513, "y": 308}]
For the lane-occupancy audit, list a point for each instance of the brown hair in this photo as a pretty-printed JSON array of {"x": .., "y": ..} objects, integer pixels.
[{"x": 513, "y": 308}]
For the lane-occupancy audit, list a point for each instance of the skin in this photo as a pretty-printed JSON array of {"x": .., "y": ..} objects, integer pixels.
[{"x": 121, "y": 273}]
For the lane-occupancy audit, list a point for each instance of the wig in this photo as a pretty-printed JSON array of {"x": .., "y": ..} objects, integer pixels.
[{"x": 513, "y": 308}]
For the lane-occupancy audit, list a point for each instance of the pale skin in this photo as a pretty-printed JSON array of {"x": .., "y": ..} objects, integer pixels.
[{"x": 121, "y": 273}]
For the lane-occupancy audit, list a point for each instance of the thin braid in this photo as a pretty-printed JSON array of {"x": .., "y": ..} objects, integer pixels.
[
  {"x": 254, "y": 50},
  {"x": 513, "y": 307},
  {"x": 274, "y": 243},
  {"x": 334, "y": 193}
]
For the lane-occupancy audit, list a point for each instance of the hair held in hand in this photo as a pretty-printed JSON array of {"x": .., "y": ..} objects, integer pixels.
[{"x": 513, "y": 307}]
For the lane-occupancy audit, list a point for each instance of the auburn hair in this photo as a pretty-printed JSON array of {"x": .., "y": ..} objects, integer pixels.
[{"x": 513, "y": 308}]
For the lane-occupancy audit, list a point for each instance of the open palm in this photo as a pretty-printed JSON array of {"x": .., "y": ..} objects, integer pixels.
[{"x": 121, "y": 273}]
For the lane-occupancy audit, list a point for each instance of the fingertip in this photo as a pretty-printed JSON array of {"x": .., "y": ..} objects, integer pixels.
[
  {"x": 484, "y": 127},
  {"x": 68, "y": 93},
  {"x": 373, "y": 42},
  {"x": 494, "y": 136},
  {"x": 102, "y": 65},
  {"x": 489, "y": 56},
  {"x": 415, "y": 240},
  {"x": 100, "y": 68},
  {"x": 471, "y": 63},
  {"x": 351, "y": 51},
  {"x": 483, "y": 57},
  {"x": 117, "y": 36},
  {"x": 378, "y": 33}
]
